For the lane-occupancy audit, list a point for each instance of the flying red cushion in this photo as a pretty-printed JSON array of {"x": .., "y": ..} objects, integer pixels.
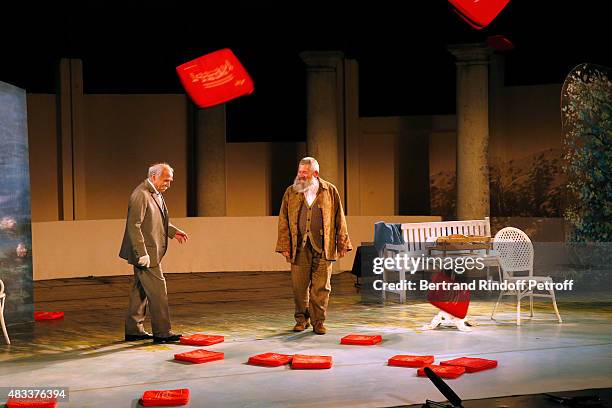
[
  {"x": 500, "y": 43},
  {"x": 200, "y": 339},
  {"x": 165, "y": 398},
  {"x": 311, "y": 362},
  {"x": 199, "y": 356},
  {"x": 215, "y": 78},
  {"x": 471, "y": 364},
  {"x": 270, "y": 359},
  {"x": 478, "y": 13},
  {"x": 442, "y": 371},
  {"x": 361, "y": 339},
  {"x": 403, "y": 360}
]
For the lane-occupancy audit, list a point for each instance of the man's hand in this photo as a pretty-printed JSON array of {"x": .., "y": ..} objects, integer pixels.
[
  {"x": 181, "y": 236},
  {"x": 341, "y": 254},
  {"x": 286, "y": 255},
  {"x": 144, "y": 261}
]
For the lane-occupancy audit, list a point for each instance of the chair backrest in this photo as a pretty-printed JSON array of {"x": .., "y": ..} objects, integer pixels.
[
  {"x": 515, "y": 251},
  {"x": 416, "y": 234},
  {"x": 1, "y": 288}
]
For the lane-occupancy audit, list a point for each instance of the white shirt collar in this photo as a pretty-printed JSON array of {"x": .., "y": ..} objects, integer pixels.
[
  {"x": 311, "y": 193},
  {"x": 315, "y": 186},
  {"x": 151, "y": 184}
]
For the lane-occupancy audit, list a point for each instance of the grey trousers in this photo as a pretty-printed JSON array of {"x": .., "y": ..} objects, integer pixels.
[{"x": 150, "y": 291}]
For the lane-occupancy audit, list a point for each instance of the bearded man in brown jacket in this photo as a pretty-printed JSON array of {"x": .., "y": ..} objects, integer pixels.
[{"x": 312, "y": 234}]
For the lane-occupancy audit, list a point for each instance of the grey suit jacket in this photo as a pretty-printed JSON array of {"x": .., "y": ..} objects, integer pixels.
[{"x": 147, "y": 227}]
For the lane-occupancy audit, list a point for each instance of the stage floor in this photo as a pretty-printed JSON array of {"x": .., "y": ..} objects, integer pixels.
[{"x": 254, "y": 311}]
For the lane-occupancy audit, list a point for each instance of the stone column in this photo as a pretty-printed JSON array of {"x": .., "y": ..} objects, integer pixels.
[
  {"x": 322, "y": 123},
  {"x": 210, "y": 162},
  {"x": 496, "y": 109},
  {"x": 472, "y": 130},
  {"x": 72, "y": 197}
]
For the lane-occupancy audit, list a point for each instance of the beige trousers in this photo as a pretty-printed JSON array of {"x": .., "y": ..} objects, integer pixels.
[
  {"x": 310, "y": 276},
  {"x": 150, "y": 291}
]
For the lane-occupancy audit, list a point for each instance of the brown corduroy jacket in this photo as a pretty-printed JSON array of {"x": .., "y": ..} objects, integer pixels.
[{"x": 335, "y": 233}]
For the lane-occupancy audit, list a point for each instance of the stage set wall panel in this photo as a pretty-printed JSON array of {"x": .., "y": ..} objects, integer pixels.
[{"x": 15, "y": 214}]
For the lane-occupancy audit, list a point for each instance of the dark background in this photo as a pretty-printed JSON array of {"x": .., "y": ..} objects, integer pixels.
[{"x": 401, "y": 47}]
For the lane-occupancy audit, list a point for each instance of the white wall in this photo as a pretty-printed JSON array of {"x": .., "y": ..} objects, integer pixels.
[{"x": 68, "y": 249}]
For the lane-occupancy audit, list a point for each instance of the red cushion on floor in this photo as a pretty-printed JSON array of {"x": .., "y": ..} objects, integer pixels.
[
  {"x": 199, "y": 356},
  {"x": 361, "y": 339},
  {"x": 200, "y": 339},
  {"x": 471, "y": 364},
  {"x": 48, "y": 315},
  {"x": 442, "y": 371},
  {"x": 403, "y": 360},
  {"x": 31, "y": 403},
  {"x": 313, "y": 362},
  {"x": 270, "y": 359},
  {"x": 215, "y": 78},
  {"x": 165, "y": 398}
]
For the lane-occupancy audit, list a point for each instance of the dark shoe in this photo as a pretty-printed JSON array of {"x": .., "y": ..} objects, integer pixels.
[
  {"x": 169, "y": 339},
  {"x": 136, "y": 337},
  {"x": 318, "y": 328},
  {"x": 301, "y": 326}
]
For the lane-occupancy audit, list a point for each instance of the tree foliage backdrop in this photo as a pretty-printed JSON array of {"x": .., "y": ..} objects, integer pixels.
[{"x": 586, "y": 110}]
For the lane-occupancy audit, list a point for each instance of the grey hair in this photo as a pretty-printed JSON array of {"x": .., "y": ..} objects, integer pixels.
[
  {"x": 157, "y": 168},
  {"x": 312, "y": 162}
]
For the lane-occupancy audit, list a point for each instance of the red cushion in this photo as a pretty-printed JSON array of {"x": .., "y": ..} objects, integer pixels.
[
  {"x": 48, "y": 315},
  {"x": 31, "y": 403},
  {"x": 455, "y": 302},
  {"x": 215, "y": 78},
  {"x": 361, "y": 339},
  {"x": 270, "y": 359},
  {"x": 499, "y": 43},
  {"x": 442, "y": 371},
  {"x": 314, "y": 362},
  {"x": 471, "y": 364},
  {"x": 201, "y": 339},
  {"x": 402, "y": 360},
  {"x": 478, "y": 13},
  {"x": 165, "y": 398},
  {"x": 199, "y": 356}
]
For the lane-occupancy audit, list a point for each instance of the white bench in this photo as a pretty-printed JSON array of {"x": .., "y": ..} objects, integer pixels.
[{"x": 416, "y": 235}]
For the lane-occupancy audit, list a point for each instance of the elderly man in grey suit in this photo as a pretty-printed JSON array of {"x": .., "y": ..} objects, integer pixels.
[{"x": 145, "y": 240}]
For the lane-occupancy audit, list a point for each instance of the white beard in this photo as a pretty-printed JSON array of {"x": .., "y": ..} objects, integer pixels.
[{"x": 302, "y": 186}]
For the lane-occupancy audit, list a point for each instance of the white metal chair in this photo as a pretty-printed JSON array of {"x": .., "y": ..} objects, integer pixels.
[
  {"x": 2, "y": 298},
  {"x": 515, "y": 252}
]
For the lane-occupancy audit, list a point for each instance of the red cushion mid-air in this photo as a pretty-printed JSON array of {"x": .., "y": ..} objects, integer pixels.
[
  {"x": 471, "y": 364},
  {"x": 314, "y": 362},
  {"x": 402, "y": 360},
  {"x": 442, "y": 371},
  {"x": 478, "y": 13},
  {"x": 165, "y": 398},
  {"x": 361, "y": 339},
  {"x": 200, "y": 339},
  {"x": 199, "y": 356},
  {"x": 270, "y": 359},
  {"x": 215, "y": 78}
]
